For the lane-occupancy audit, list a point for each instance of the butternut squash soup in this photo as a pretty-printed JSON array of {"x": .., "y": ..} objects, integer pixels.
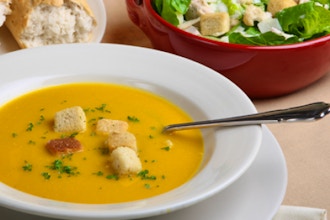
[{"x": 86, "y": 173}]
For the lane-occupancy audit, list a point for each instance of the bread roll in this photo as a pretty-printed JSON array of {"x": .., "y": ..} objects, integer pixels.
[
  {"x": 44, "y": 22},
  {"x": 4, "y": 10}
]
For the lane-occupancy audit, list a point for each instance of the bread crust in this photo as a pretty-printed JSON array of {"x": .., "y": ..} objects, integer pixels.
[
  {"x": 63, "y": 146},
  {"x": 17, "y": 21},
  {"x": 4, "y": 10}
]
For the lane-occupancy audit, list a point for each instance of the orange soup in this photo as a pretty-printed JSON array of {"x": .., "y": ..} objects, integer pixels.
[{"x": 27, "y": 124}]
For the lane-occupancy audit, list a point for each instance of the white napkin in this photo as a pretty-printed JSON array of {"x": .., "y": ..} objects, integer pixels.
[{"x": 300, "y": 213}]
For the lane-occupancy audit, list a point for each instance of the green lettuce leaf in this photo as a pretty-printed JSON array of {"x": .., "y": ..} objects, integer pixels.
[
  {"x": 322, "y": 2},
  {"x": 157, "y": 5},
  {"x": 170, "y": 9},
  {"x": 305, "y": 20},
  {"x": 233, "y": 8},
  {"x": 265, "y": 39},
  {"x": 181, "y": 6}
]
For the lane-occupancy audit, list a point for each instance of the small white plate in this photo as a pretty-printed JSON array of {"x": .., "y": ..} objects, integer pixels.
[
  {"x": 256, "y": 195},
  {"x": 8, "y": 43}
]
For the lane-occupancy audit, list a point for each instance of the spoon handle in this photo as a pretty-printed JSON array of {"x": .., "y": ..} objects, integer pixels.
[{"x": 309, "y": 112}]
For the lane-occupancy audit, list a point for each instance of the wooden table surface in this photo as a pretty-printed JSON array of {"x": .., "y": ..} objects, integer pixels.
[{"x": 306, "y": 146}]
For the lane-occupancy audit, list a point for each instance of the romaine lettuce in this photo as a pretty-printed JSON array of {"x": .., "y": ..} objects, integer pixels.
[
  {"x": 265, "y": 39},
  {"x": 305, "y": 20},
  {"x": 233, "y": 8},
  {"x": 322, "y": 2},
  {"x": 171, "y": 9}
]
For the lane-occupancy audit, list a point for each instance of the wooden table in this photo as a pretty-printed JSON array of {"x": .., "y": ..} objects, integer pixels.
[{"x": 306, "y": 146}]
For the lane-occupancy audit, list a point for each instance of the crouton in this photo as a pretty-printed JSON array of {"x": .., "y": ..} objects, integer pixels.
[
  {"x": 106, "y": 126},
  {"x": 124, "y": 139},
  {"x": 215, "y": 24},
  {"x": 275, "y": 6},
  {"x": 4, "y": 10},
  {"x": 63, "y": 146},
  {"x": 124, "y": 160},
  {"x": 254, "y": 13},
  {"x": 70, "y": 120}
]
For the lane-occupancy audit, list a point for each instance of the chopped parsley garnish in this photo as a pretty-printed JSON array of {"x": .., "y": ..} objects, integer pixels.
[
  {"x": 102, "y": 108},
  {"x": 167, "y": 148},
  {"x": 133, "y": 119},
  {"x": 113, "y": 177},
  {"x": 152, "y": 161},
  {"x": 69, "y": 136},
  {"x": 88, "y": 110},
  {"x": 30, "y": 127},
  {"x": 109, "y": 176},
  {"x": 31, "y": 142},
  {"x": 104, "y": 150},
  {"x": 41, "y": 119},
  {"x": 14, "y": 135},
  {"x": 27, "y": 167},
  {"x": 68, "y": 156},
  {"x": 92, "y": 120},
  {"x": 147, "y": 186},
  {"x": 144, "y": 175},
  {"x": 58, "y": 166},
  {"x": 46, "y": 175},
  {"x": 69, "y": 170},
  {"x": 73, "y": 134},
  {"x": 99, "y": 173}
]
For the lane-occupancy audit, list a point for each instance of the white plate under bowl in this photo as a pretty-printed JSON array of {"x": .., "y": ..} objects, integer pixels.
[
  {"x": 8, "y": 43},
  {"x": 200, "y": 91}
]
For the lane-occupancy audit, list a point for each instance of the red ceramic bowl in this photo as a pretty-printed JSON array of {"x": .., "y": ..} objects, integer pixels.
[{"x": 260, "y": 71}]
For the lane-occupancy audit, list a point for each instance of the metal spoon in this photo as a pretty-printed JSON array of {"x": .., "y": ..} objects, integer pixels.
[{"x": 309, "y": 112}]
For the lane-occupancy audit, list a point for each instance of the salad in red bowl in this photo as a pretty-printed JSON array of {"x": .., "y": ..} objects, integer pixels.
[
  {"x": 250, "y": 22},
  {"x": 273, "y": 55}
]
